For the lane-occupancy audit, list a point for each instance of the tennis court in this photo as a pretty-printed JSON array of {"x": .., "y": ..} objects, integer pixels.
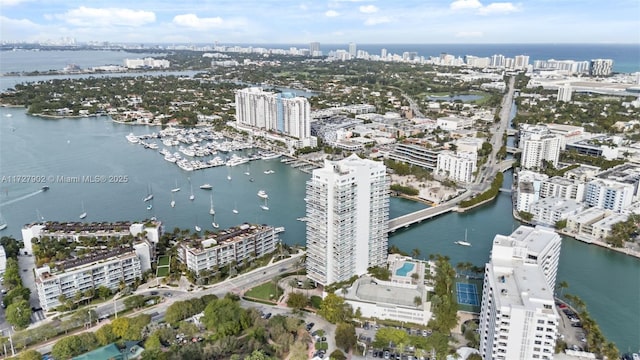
[{"x": 467, "y": 294}]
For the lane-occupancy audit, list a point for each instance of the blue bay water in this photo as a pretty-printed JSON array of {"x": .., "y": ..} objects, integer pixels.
[
  {"x": 607, "y": 281},
  {"x": 97, "y": 146}
]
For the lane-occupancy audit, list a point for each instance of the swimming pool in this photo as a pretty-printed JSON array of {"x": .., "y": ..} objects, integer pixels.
[{"x": 405, "y": 269}]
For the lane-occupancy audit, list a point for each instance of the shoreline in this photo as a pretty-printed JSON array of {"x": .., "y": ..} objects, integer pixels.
[{"x": 602, "y": 244}]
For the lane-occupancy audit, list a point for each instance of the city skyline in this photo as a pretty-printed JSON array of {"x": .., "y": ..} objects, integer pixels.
[{"x": 335, "y": 21}]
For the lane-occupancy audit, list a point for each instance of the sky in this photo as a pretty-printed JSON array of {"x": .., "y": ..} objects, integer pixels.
[{"x": 329, "y": 22}]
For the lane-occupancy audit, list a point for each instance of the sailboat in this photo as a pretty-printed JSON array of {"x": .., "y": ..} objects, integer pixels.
[
  {"x": 198, "y": 228},
  {"x": 465, "y": 242},
  {"x": 3, "y": 223},
  {"x": 192, "y": 197},
  {"x": 150, "y": 206},
  {"x": 247, "y": 172},
  {"x": 235, "y": 208},
  {"x": 228, "y": 173},
  {"x": 173, "y": 202},
  {"x": 264, "y": 206},
  {"x": 215, "y": 225},
  {"x": 212, "y": 211},
  {"x": 84, "y": 213},
  {"x": 176, "y": 189},
  {"x": 149, "y": 195}
]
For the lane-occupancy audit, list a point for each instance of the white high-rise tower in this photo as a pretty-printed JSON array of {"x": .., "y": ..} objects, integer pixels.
[
  {"x": 347, "y": 212},
  {"x": 518, "y": 319}
]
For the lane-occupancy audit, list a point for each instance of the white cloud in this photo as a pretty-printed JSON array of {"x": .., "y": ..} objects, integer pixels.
[
  {"x": 85, "y": 16},
  {"x": 195, "y": 22},
  {"x": 468, "y": 34},
  {"x": 377, "y": 20},
  {"x": 499, "y": 8},
  {"x": 332, "y": 13},
  {"x": 11, "y": 2},
  {"x": 465, "y": 4},
  {"x": 493, "y": 8},
  {"x": 368, "y": 9}
]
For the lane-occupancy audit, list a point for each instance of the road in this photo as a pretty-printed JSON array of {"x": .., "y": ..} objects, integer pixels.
[
  {"x": 483, "y": 181},
  {"x": 240, "y": 282}
]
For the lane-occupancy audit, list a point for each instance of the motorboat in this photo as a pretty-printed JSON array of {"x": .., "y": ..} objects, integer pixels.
[
  {"x": 198, "y": 228},
  {"x": 269, "y": 172},
  {"x": 206, "y": 187},
  {"x": 215, "y": 225},
  {"x": 263, "y": 194},
  {"x": 132, "y": 138}
]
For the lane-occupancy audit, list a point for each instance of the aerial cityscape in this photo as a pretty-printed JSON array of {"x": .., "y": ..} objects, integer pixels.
[{"x": 337, "y": 180}]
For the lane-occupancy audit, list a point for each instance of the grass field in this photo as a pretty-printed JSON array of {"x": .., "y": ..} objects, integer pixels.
[
  {"x": 264, "y": 292},
  {"x": 163, "y": 261},
  {"x": 163, "y": 271}
]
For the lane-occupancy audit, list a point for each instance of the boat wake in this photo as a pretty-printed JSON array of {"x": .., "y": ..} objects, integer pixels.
[{"x": 23, "y": 197}]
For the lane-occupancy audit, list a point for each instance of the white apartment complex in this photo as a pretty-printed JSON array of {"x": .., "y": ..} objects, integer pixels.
[
  {"x": 528, "y": 191},
  {"x": 146, "y": 62},
  {"x": 107, "y": 268},
  {"x": 283, "y": 113},
  {"x": 564, "y": 93},
  {"x": 518, "y": 319},
  {"x": 609, "y": 194},
  {"x": 102, "y": 267},
  {"x": 457, "y": 167},
  {"x": 548, "y": 211},
  {"x": 239, "y": 244},
  {"x": 452, "y": 123},
  {"x": 560, "y": 187},
  {"x": 538, "y": 147},
  {"x": 601, "y": 67},
  {"x": 348, "y": 213}
]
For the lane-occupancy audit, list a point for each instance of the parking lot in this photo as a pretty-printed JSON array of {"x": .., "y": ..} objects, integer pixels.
[
  {"x": 367, "y": 333},
  {"x": 571, "y": 328}
]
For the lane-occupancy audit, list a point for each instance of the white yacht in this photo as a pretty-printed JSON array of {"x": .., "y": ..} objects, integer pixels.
[
  {"x": 132, "y": 138},
  {"x": 263, "y": 194},
  {"x": 269, "y": 156},
  {"x": 206, "y": 187},
  {"x": 268, "y": 172}
]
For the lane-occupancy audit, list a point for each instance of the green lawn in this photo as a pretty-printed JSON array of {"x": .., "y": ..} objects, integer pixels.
[
  {"x": 163, "y": 261},
  {"x": 316, "y": 301},
  {"x": 264, "y": 292},
  {"x": 163, "y": 271}
]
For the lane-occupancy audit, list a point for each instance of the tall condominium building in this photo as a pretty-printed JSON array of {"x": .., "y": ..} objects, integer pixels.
[
  {"x": 609, "y": 194},
  {"x": 314, "y": 49},
  {"x": 353, "y": 50},
  {"x": 457, "y": 167},
  {"x": 280, "y": 112},
  {"x": 564, "y": 93},
  {"x": 348, "y": 212},
  {"x": 539, "y": 147},
  {"x": 521, "y": 61},
  {"x": 600, "y": 67},
  {"x": 518, "y": 319}
]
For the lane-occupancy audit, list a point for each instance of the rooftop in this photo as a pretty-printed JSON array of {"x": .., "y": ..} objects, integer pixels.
[
  {"x": 367, "y": 289},
  {"x": 226, "y": 236}
]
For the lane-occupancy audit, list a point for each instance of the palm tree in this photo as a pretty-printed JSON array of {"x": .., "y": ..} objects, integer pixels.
[
  {"x": 415, "y": 253},
  {"x": 561, "y": 286}
]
